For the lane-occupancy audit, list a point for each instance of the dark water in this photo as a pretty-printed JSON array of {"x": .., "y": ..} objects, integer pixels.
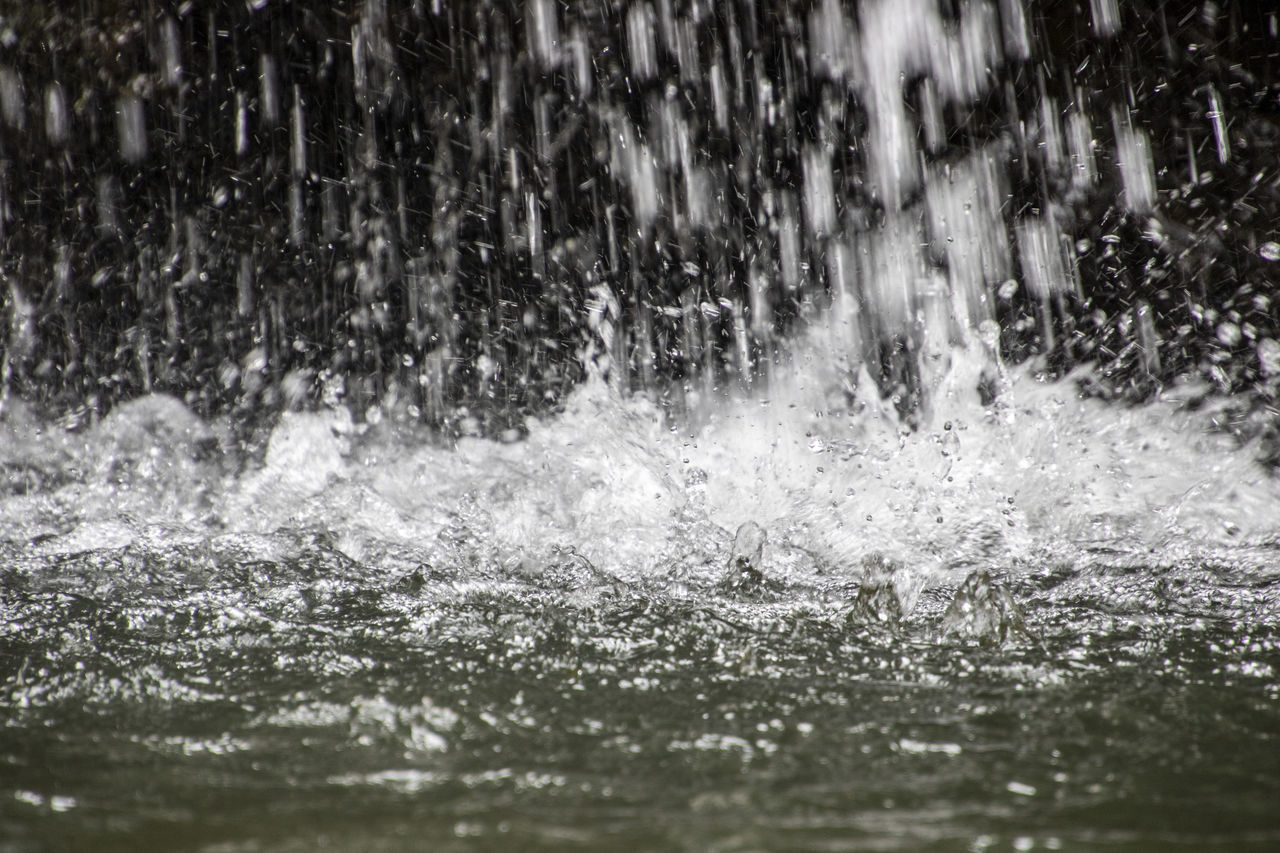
[{"x": 196, "y": 699}]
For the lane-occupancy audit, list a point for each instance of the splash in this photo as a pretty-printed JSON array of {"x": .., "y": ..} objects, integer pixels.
[
  {"x": 616, "y": 488},
  {"x": 621, "y": 598}
]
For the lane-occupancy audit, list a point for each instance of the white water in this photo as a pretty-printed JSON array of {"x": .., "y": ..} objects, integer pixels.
[{"x": 1044, "y": 477}]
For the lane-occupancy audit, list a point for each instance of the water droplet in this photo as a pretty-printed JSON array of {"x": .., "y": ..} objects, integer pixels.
[
  {"x": 1269, "y": 357},
  {"x": 131, "y": 128},
  {"x": 1228, "y": 334},
  {"x": 55, "y": 115}
]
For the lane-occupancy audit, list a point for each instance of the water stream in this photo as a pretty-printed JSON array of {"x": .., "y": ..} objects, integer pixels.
[{"x": 737, "y": 427}]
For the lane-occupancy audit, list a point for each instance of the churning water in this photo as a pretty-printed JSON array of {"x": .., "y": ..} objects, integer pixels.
[
  {"x": 868, "y": 585},
  {"x": 1051, "y": 625}
]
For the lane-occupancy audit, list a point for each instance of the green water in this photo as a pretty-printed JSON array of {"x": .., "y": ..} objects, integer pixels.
[{"x": 195, "y": 698}]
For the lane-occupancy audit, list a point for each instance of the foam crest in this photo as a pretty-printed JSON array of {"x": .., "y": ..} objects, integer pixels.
[
  {"x": 615, "y": 488},
  {"x": 1043, "y": 476}
]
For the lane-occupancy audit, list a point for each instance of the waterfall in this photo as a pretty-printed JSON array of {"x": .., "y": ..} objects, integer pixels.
[
  {"x": 468, "y": 206},
  {"x": 682, "y": 425}
]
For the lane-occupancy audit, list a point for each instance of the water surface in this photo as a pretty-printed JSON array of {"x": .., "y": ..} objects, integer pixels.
[{"x": 361, "y": 640}]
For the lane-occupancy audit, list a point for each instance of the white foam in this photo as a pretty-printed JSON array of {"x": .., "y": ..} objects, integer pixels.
[
  {"x": 822, "y": 464},
  {"x": 1057, "y": 475}
]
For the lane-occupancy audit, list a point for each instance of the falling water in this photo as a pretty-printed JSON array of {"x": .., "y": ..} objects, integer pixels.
[
  {"x": 658, "y": 424},
  {"x": 464, "y": 208}
]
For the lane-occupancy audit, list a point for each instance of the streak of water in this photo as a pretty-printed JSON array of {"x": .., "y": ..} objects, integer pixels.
[{"x": 704, "y": 585}]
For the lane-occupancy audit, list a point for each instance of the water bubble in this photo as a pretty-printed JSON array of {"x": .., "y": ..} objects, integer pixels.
[{"x": 1270, "y": 251}]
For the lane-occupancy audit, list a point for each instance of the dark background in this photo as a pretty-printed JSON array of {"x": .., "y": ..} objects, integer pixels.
[{"x": 208, "y": 259}]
